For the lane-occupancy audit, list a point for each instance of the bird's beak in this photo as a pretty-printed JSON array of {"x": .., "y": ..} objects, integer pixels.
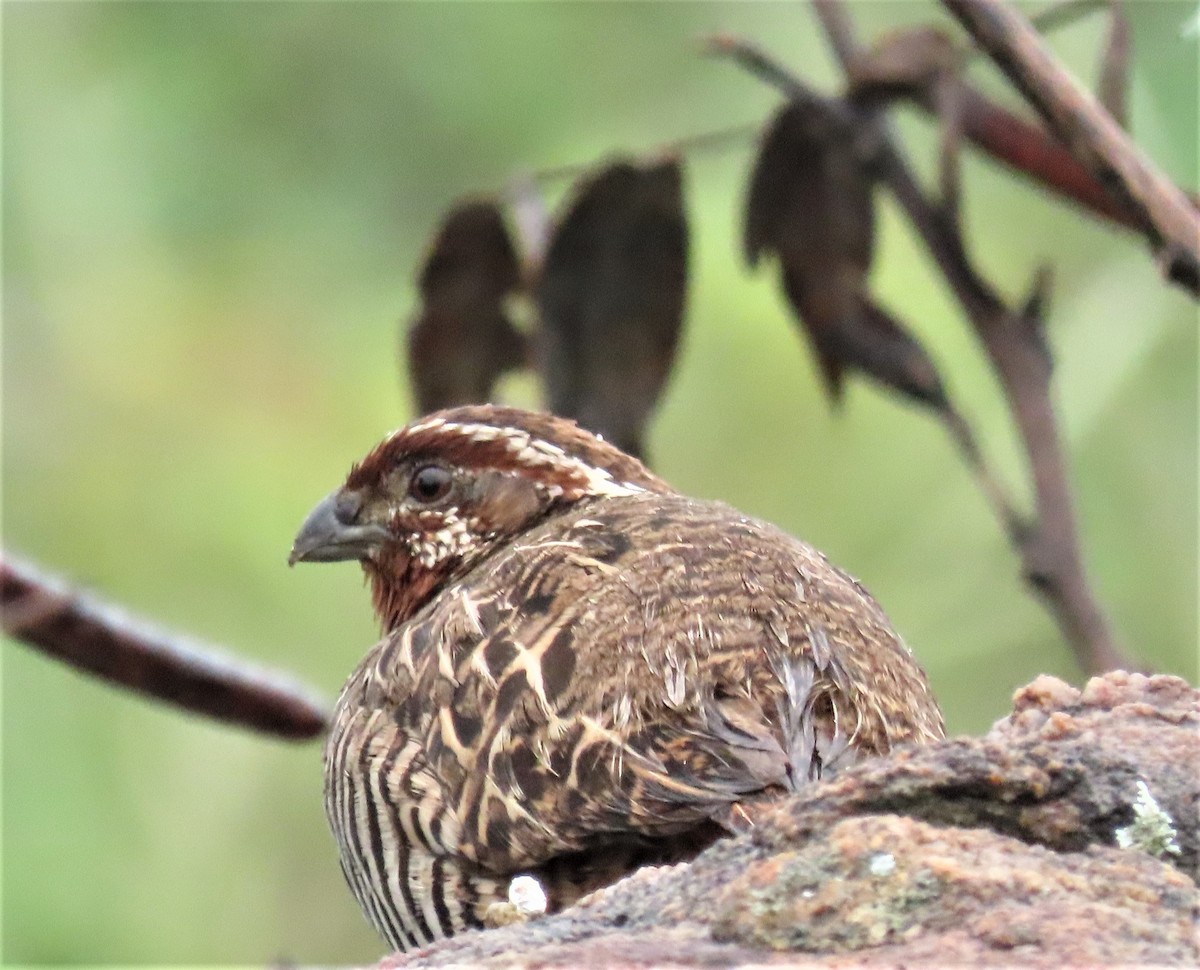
[{"x": 326, "y": 536}]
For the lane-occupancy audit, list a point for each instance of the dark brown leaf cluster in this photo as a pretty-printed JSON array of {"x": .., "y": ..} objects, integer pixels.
[{"x": 609, "y": 300}]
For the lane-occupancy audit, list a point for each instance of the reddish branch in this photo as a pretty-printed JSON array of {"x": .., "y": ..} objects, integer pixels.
[
  {"x": 1048, "y": 545},
  {"x": 102, "y": 640},
  {"x": 1029, "y": 149},
  {"x": 1164, "y": 214},
  {"x": 922, "y": 63},
  {"x": 1026, "y": 147}
]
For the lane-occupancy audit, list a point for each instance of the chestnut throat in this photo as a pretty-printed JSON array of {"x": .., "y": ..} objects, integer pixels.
[
  {"x": 401, "y": 585},
  {"x": 400, "y": 590}
]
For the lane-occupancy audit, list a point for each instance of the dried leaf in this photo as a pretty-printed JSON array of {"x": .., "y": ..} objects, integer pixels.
[
  {"x": 881, "y": 348},
  {"x": 810, "y": 198},
  {"x": 611, "y": 299},
  {"x": 811, "y": 204},
  {"x": 462, "y": 340}
]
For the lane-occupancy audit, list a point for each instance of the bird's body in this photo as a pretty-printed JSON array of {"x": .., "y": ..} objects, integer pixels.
[{"x": 599, "y": 688}]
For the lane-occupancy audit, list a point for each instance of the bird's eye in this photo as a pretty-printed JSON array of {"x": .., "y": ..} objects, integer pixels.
[{"x": 430, "y": 483}]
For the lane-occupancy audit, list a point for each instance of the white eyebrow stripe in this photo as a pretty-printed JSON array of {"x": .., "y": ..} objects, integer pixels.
[{"x": 529, "y": 450}]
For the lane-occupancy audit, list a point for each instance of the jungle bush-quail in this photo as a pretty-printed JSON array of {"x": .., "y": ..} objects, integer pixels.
[{"x": 581, "y": 671}]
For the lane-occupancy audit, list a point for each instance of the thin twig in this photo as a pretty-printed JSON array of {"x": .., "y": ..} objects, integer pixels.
[
  {"x": 1065, "y": 13},
  {"x": 1015, "y": 345},
  {"x": 1026, "y": 148},
  {"x": 705, "y": 141},
  {"x": 841, "y": 113},
  {"x": 1013, "y": 342},
  {"x": 1165, "y": 215},
  {"x": 103, "y": 640}
]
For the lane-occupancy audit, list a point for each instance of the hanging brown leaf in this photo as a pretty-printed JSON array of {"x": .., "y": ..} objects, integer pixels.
[
  {"x": 611, "y": 299},
  {"x": 811, "y": 204},
  {"x": 462, "y": 341}
]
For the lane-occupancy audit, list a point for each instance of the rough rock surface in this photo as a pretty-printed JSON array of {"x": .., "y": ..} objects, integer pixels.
[{"x": 999, "y": 850}]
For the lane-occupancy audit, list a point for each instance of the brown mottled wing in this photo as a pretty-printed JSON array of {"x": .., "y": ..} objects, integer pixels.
[{"x": 592, "y": 687}]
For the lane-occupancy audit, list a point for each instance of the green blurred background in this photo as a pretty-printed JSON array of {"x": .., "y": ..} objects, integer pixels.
[{"x": 211, "y": 217}]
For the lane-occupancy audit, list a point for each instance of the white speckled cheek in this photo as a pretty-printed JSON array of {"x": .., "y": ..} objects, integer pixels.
[{"x": 442, "y": 534}]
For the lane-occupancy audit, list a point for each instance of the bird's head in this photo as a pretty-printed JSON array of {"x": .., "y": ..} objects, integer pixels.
[{"x": 435, "y": 498}]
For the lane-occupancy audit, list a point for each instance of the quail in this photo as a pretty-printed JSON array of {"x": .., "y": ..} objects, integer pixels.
[{"x": 582, "y": 670}]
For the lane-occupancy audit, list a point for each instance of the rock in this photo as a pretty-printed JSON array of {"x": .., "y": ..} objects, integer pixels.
[
  {"x": 994, "y": 850},
  {"x": 1062, "y": 770},
  {"x": 911, "y": 891}
]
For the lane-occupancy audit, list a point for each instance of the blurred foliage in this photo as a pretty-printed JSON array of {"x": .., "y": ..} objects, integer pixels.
[{"x": 212, "y": 216}]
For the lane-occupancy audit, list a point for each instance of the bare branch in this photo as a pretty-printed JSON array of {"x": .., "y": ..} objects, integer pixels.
[
  {"x": 1013, "y": 342},
  {"x": 1165, "y": 215},
  {"x": 1015, "y": 345},
  {"x": 1032, "y": 151},
  {"x": 102, "y": 640},
  {"x": 924, "y": 65}
]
